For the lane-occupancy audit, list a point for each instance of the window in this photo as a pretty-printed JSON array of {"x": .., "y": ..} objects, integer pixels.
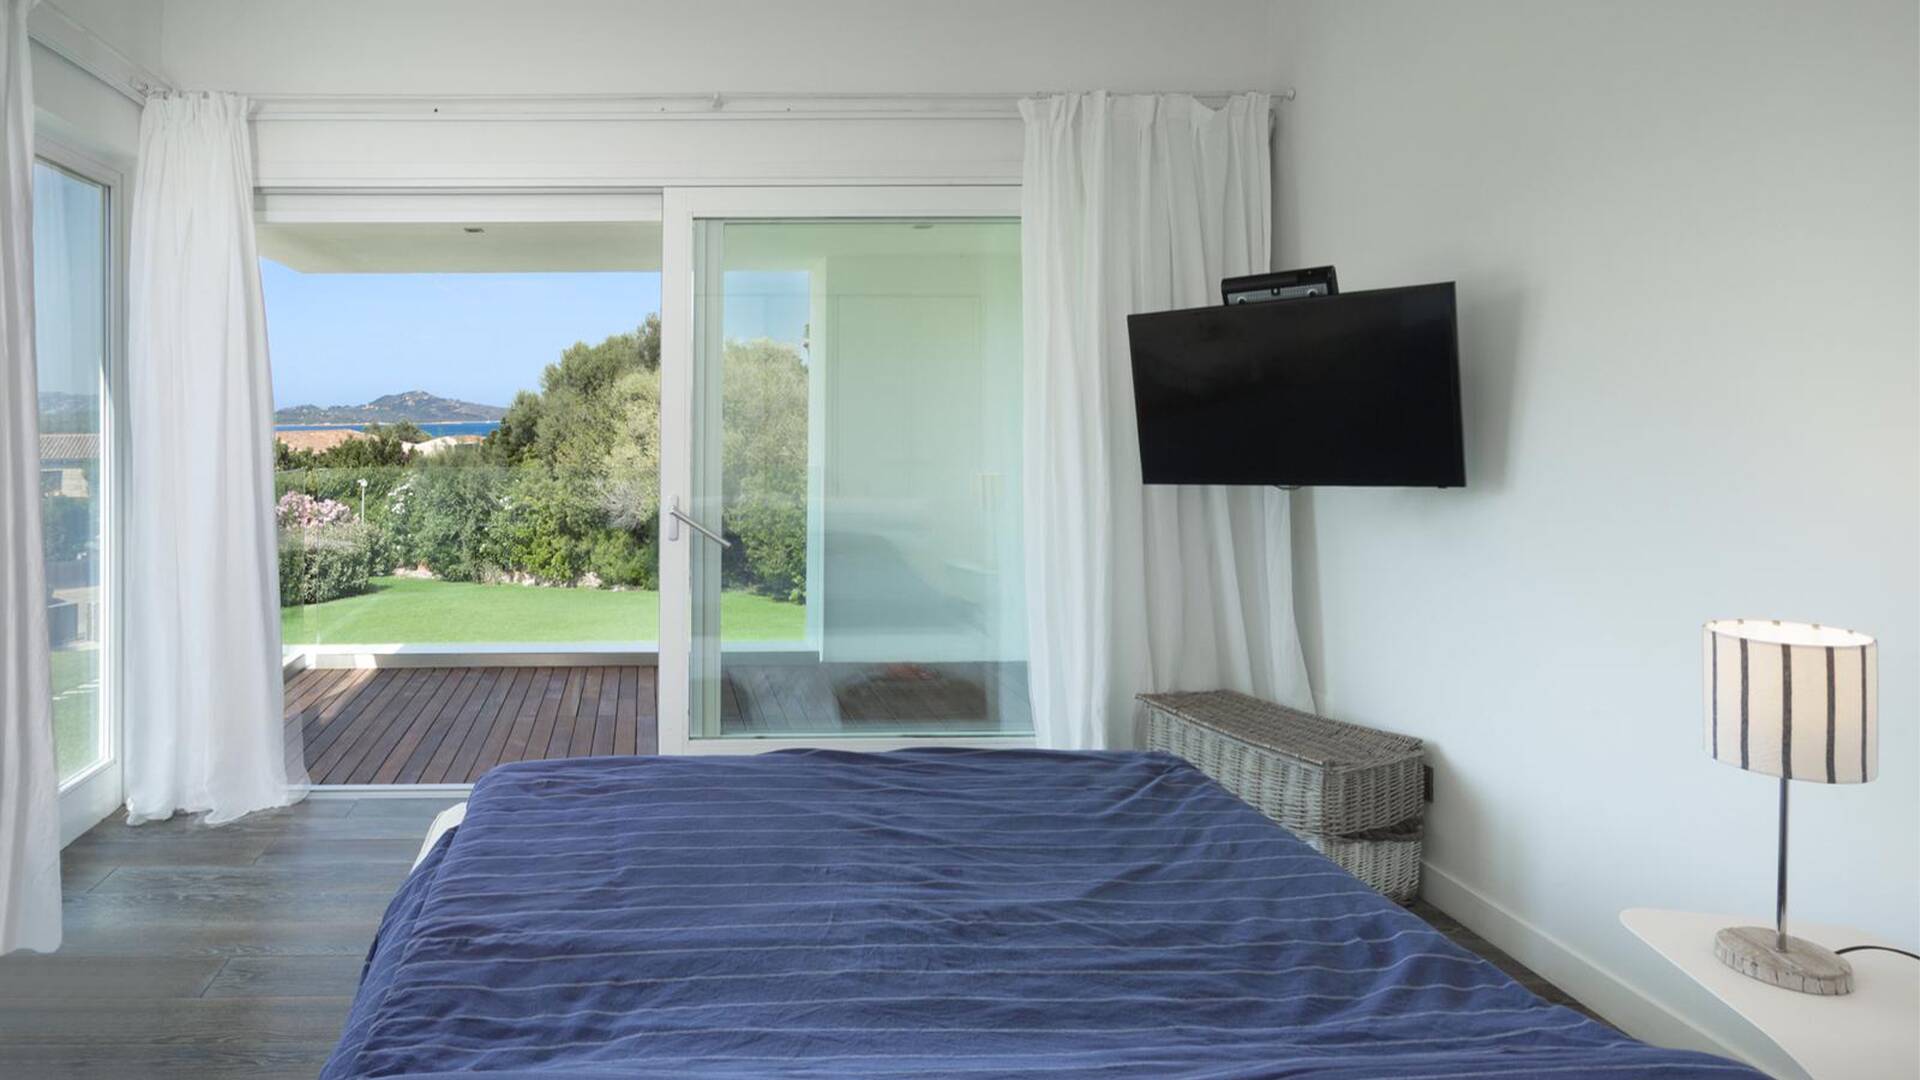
[{"x": 72, "y": 321}]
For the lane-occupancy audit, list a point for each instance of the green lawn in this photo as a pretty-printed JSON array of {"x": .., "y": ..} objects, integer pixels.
[
  {"x": 76, "y": 704},
  {"x": 408, "y": 611}
]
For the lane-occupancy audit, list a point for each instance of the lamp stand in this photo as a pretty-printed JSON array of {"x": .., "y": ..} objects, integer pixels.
[{"x": 1774, "y": 956}]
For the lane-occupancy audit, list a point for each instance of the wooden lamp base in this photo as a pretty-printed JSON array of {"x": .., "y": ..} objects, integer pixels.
[{"x": 1754, "y": 951}]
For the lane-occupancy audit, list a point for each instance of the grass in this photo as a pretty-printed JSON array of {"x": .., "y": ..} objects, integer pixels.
[
  {"x": 410, "y": 611},
  {"x": 76, "y": 708}
]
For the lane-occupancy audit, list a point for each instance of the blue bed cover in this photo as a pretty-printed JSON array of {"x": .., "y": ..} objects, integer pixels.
[{"x": 924, "y": 912}]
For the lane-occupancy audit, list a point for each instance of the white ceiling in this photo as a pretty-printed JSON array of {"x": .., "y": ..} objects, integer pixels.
[{"x": 783, "y": 245}]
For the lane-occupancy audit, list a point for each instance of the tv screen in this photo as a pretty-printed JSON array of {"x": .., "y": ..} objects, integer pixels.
[{"x": 1362, "y": 388}]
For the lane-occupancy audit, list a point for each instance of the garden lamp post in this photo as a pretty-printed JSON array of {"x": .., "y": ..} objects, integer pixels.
[{"x": 363, "y": 498}]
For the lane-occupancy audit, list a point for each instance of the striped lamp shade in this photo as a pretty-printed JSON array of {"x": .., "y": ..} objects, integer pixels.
[{"x": 1793, "y": 700}]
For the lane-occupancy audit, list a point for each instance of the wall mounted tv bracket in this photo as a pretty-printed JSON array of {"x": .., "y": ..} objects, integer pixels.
[{"x": 1280, "y": 285}]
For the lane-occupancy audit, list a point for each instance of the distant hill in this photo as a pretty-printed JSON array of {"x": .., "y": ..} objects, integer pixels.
[
  {"x": 415, "y": 405},
  {"x": 62, "y": 412}
]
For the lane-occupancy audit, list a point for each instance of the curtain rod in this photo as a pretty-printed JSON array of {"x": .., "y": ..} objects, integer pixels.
[{"x": 751, "y": 105}]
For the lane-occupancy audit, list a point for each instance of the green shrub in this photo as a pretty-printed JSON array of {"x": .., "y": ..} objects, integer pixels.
[
  {"x": 450, "y": 520},
  {"x": 67, "y": 523},
  {"x": 773, "y": 539},
  {"x": 620, "y": 558},
  {"x": 318, "y": 565},
  {"x": 552, "y": 519}
]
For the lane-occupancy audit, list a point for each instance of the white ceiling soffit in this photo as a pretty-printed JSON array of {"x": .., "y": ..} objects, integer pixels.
[
  {"x": 455, "y": 232},
  {"x": 454, "y": 247},
  {"x": 791, "y": 244},
  {"x": 466, "y": 208}
]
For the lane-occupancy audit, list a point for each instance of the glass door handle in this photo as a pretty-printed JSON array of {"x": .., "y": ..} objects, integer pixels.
[{"x": 675, "y": 517}]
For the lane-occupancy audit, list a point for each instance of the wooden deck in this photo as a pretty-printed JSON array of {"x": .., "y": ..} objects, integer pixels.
[{"x": 448, "y": 725}]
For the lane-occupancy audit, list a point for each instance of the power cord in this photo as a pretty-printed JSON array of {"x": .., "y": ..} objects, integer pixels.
[{"x": 1877, "y": 948}]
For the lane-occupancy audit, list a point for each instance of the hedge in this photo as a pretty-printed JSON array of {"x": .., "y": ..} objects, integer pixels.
[
  {"x": 472, "y": 522},
  {"x": 318, "y": 565}
]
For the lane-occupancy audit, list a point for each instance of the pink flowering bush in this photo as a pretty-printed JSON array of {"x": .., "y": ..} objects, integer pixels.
[
  {"x": 299, "y": 510},
  {"x": 324, "y": 553}
]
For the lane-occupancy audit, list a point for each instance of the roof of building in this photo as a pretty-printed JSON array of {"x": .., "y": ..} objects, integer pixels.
[
  {"x": 319, "y": 439},
  {"x": 83, "y": 446},
  {"x": 442, "y": 442}
]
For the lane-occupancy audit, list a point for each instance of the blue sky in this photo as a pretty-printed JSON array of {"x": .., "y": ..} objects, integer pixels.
[{"x": 345, "y": 339}]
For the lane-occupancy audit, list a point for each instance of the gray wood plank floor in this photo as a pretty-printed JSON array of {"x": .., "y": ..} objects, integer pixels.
[{"x": 209, "y": 954}]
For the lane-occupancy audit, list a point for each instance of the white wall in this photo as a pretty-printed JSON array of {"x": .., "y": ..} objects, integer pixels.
[
  {"x": 1685, "y": 241},
  {"x": 450, "y": 47},
  {"x": 671, "y": 46}
]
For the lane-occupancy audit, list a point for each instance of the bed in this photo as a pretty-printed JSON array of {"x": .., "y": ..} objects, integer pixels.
[{"x": 934, "y": 912}]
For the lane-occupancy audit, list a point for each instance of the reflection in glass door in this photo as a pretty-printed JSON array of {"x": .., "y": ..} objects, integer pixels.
[
  {"x": 856, "y": 439},
  {"x": 71, "y": 341}
]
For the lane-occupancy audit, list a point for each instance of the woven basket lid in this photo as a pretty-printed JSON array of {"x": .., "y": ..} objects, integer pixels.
[{"x": 1300, "y": 735}]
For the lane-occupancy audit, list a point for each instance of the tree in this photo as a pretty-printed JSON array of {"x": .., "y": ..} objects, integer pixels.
[
  {"x": 400, "y": 431},
  {"x": 510, "y": 443},
  {"x": 570, "y": 423},
  {"x": 630, "y": 490},
  {"x": 764, "y": 462}
]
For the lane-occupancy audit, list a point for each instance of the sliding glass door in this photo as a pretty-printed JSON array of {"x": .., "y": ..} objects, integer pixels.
[{"x": 845, "y": 452}]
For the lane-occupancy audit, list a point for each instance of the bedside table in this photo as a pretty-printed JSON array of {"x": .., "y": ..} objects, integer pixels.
[{"x": 1868, "y": 1033}]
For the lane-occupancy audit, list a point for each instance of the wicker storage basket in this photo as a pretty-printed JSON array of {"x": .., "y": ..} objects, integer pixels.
[
  {"x": 1386, "y": 859},
  {"x": 1354, "y": 794},
  {"x": 1313, "y": 775}
]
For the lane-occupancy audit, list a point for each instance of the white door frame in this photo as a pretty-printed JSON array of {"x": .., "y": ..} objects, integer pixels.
[
  {"x": 681, "y": 208},
  {"x": 93, "y": 794}
]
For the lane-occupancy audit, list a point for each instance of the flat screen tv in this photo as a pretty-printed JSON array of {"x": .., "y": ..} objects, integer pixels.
[{"x": 1358, "y": 389}]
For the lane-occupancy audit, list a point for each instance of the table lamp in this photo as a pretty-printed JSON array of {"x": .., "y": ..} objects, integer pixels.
[{"x": 1796, "y": 701}]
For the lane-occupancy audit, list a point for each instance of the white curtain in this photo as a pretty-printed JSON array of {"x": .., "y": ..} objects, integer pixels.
[
  {"x": 1131, "y": 204},
  {"x": 29, "y": 783},
  {"x": 203, "y": 717}
]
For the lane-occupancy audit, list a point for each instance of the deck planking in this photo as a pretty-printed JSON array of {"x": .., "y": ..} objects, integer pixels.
[{"x": 449, "y": 725}]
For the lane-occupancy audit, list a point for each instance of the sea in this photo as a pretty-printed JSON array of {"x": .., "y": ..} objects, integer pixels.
[{"x": 435, "y": 428}]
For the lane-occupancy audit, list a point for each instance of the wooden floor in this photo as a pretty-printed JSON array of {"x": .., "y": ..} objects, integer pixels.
[
  {"x": 208, "y": 954},
  {"x": 449, "y": 725},
  {"x": 216, "y": 954}
]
